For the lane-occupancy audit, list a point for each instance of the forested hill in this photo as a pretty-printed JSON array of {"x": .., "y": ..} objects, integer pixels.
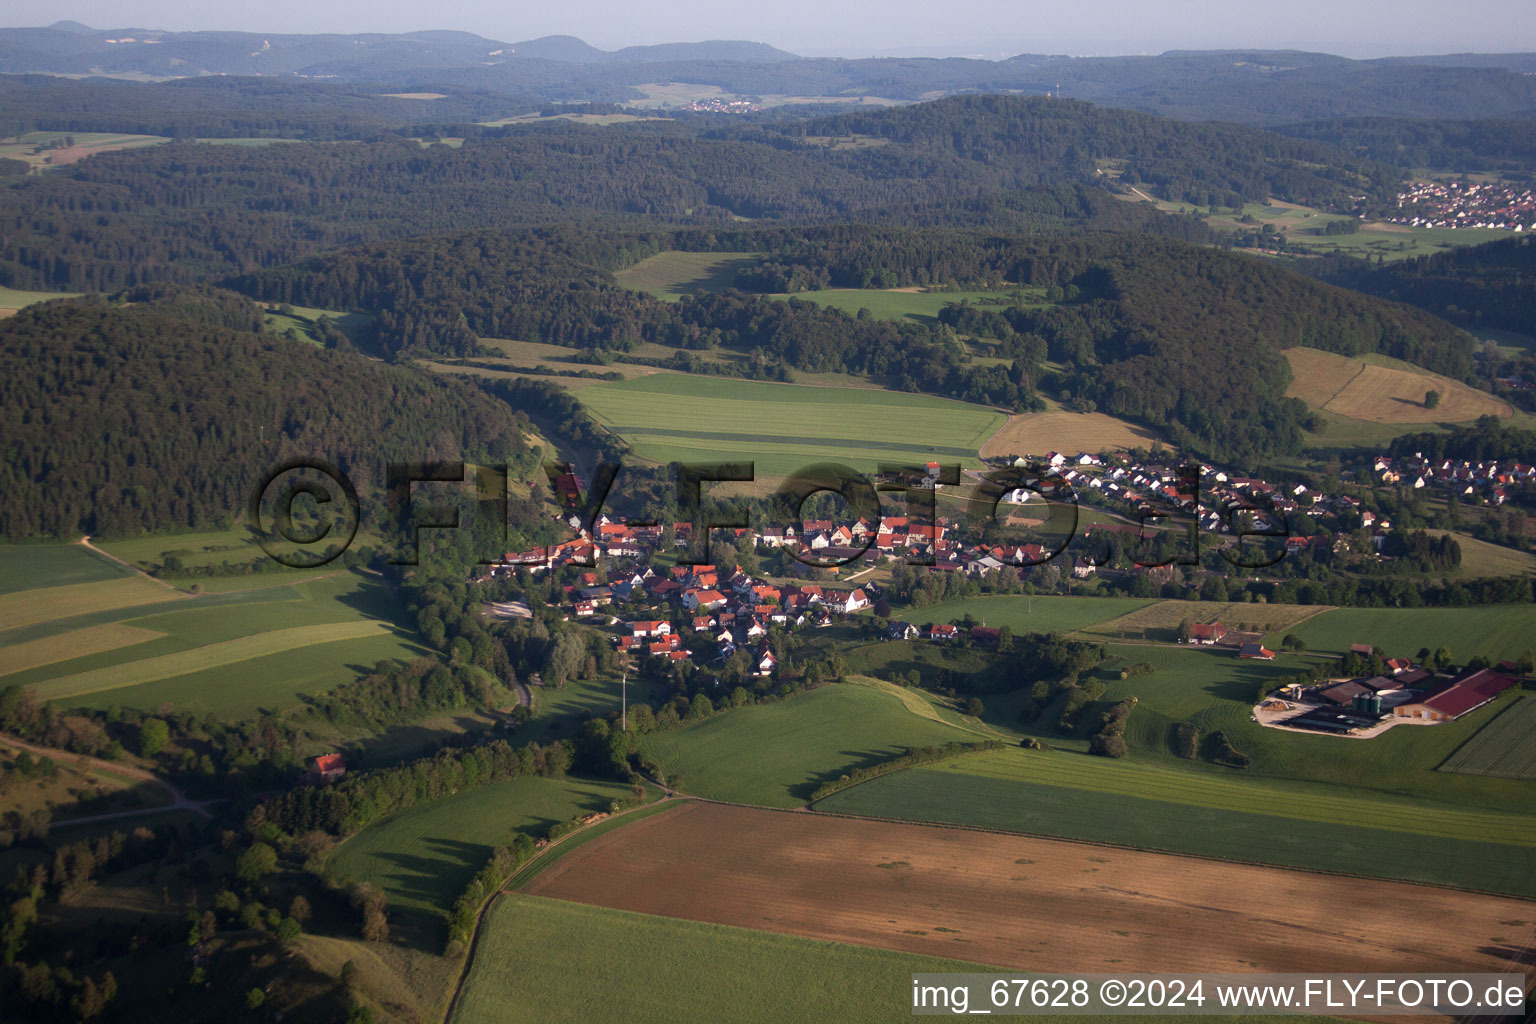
[
  {"x": 117, "y": 419},
  {"x": 1186, "y": 338},
  {"x": 1483, "y": 144},
  {"x": 1489, "y": 285},
  {"x": 190, "y": 212},
  {"x": 1202, "y": 163}
]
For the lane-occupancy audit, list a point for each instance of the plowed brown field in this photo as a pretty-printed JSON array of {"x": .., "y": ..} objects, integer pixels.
[{"x": 1028, "y": 903}]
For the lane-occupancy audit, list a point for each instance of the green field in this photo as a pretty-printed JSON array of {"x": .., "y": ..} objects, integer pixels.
[
  {"x": 234, "y": 654},
  {"x": 543, "y": 960},
  {"x": 1265, "y": 824},
  {"x": 1505, "y": 747},
  {"x": 11, "y": 298},
  {"x": 909, "y": 304},
  {"x": 29, "y": 566},
  {"x": 1495, "y": 631},
  {"x": 1304, "y": 226},
  {"x": 423, "y": 857},
  {"x": 1031, "y": 614},
  {"x": 786, "y": 427},
  {"x": 777, "y": 754},
  {"x": 671, "y": 275}
]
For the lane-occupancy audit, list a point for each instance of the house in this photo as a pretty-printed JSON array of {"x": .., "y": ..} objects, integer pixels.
[
  {"x": 704, "y": 600},
  {"x": 943, "y": 632},
  {"x": 987, "y": 636},
  {"x": 846, "y": 601},
  {"x": 902, "y": 631},
  {"x": 1256, "y": 651},
  {"x": 328, "y": 768},
  {"x": 766, "y": 662},
  {"x": 1207, "y": 633},
  {"x": 650, "y": 628},
  {"x": 1082, "y": 568},
  {"x": 1458, "y": 697}
]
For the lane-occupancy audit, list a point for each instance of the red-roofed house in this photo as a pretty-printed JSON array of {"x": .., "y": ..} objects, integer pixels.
[
  {"x": 1207, "y": 633},
  {"x": 328, "y": 768}
]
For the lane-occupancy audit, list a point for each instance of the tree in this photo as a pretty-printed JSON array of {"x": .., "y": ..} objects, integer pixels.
[
  {"x": 975, "y": 708},
  {"x": 154, "y": 734},
  {"x": 300, "y": 910},
  {"x": 254, "y": 998},
  {"x": 1431, "y": 399},
  {"x": 288, "y": 931},
  {"x": 256, "y": 863},
  {"x": 565, "y": 658}
]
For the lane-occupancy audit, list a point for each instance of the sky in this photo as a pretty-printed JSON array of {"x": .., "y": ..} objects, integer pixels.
[{"x": 981, "y": 28}]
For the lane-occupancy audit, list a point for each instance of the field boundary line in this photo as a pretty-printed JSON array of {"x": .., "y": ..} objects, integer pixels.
[
  {"x": 85, "y": 542},
  {"x": 502, "y": 890},
  {"x": 1108, "y": 844},
  {"x": 1343, "y": 386}
]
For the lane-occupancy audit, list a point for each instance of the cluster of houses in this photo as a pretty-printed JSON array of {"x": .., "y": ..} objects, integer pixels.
[
  {"x": 733, "y": 610},
  {"x": 1490, "y": 481},
  {"x": 1499, "y": 205},
  {"x": 1131, "y": 487},
  {"x": 1402, "y": 691}
]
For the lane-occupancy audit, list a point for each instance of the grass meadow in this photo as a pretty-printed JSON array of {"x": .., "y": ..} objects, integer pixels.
[
  {"x": 1496, "y": 631},
  {"x": 912, "y": 303},
  {"x": 423, "y": 857},
  {"x": 785, "y": 427},
  {"x": 541, "y": 959},
  {"x": 1041, "y": 614},
  {"x": 1383, "y": 390},
  {"x": 673, "y": 274},
  {"x": 777, "y": 754}
]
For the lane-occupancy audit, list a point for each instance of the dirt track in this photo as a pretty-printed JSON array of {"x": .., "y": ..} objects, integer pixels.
[{"x": 1021, "y": 902}]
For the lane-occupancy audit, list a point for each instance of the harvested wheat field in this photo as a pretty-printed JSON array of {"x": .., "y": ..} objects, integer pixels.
[
  {"x": 1373, "y": 390},
  {"x": 1027, "y": 903},
  {"x": 1035, "y": 433}
]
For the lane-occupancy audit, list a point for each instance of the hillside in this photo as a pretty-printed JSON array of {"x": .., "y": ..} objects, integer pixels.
[
  {"x": 1201, "y": 163},
  {"x": 122, "y": 419},
  {"x": 1248, "y": 86},
  {"x": 1485, "y": 285}
]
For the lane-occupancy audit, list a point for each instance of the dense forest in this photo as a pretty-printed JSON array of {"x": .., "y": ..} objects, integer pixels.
[
  {"x": 1205, "y": 164},
  {"x": 1487, "y": 440},
  {"x": 186, "y": 212},
  {"x": 1460, "y": 146},
  {"x": 1489, "y": 285},
  {"x": 119, "y": 419}
]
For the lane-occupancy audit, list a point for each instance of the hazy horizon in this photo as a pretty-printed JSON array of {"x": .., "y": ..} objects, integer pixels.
[{"x": 904, "y": 28}]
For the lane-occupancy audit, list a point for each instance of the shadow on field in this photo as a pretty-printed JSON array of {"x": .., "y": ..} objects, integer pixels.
[
  {"x": 860, "y": 759},
  {"x": 1524, "y": 955},
  {"x": 436, "y": 880}
]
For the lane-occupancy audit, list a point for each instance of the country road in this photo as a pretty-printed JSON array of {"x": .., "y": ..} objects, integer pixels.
[{"x": 179, "y": 800}]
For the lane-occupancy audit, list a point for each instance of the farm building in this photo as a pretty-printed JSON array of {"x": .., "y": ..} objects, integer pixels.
[
  {"x": 1458, "y": 697},
  {"x": 1207, "y": 633},
  {"x": 1256, "y": 651}
]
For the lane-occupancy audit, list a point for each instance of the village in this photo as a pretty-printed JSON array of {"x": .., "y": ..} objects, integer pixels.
[
  {"x": 723, "y": 610},
  {"x": 1456, "y": 204}
]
